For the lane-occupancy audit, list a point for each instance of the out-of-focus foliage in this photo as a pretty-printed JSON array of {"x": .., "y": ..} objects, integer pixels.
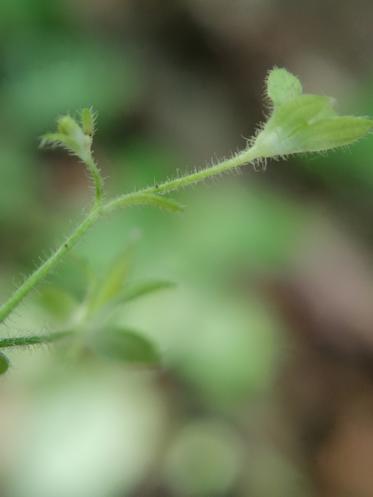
[{"x": 263, "y": 388}]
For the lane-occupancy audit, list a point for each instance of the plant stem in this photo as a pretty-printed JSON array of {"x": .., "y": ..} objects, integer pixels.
[
  {"x": 129, "y": 199},
  {"x": 42, "y": 271},
  {"x": 96, "y": 178},
  {"x": 136, "y": 198}
]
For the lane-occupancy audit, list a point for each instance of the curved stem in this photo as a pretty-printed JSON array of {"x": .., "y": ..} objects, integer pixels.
[
  {"x": 130, "y": 199},
  {"x": 42, "y": 271},
  {"x": 238, "y": 160}
]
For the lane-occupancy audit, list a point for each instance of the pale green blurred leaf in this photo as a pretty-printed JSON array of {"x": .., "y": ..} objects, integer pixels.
[
  {"x": 205, "y": 458},
  {"x": 154, "y": 200},
  {"x": 113, "y": 281},
  {"x": 126, "y": 346},
  {"x": 57, "y": 302}
]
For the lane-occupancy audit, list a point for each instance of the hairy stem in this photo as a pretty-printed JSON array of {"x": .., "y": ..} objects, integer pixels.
[
  {"x": 130, "y": 199},
  {"x": 96, "y": 178},
  {"x": 41, "y": 272}
]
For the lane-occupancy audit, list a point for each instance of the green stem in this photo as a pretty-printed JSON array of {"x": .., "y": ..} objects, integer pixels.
[
  {"x": 129, "y": 199},
  {"x": 33, "y": 340},
  {"x": 126, "y": 200},
  {"x": 41, "y": 272},
  {"x": 96, "y": 178}
]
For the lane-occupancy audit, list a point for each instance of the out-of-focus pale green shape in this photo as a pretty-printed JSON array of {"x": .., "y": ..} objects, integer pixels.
[
  {"x": 205, "y": 458},
  {"x": 302, "y": 123},
  {"x": 253, "y": 228},
  {"x": 142, "y": 289},
  {"x": 91, "y": 435},
  {"x": 225, "y": 350},
  {"x": 56, "y": 302},
  {"x": 270, "y": 474},
  {"x": 230, "y": 352},
  {"x": 112, "y": 283},
  {"x": 126, "y": 346}
]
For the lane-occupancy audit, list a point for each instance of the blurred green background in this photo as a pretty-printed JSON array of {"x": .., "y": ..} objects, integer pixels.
[{"x": 266, "y": 387}]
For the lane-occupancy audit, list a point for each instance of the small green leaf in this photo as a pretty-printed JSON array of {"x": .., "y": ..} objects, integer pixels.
[
  {"x": 4, "y": 363},
  {"x": 282, "y": 86},
  {"x": 142, "y": 289},
  {"x": 127, "y": 346},
  {"x": 165, "y": 203},
  {"x": 152, "y": 199}
]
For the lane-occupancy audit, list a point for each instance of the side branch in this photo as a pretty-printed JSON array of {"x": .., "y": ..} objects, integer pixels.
[{"x": 148, "y": 196}]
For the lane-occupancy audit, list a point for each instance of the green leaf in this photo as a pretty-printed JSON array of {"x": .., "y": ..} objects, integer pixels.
[
  {"x": 142, "y": 289},
  {"x": 113, "y": 282},
  {"x": 152, "y": 199},
  {"x": 302, "y": 123},
  {"x": 333, "y": 133},
  {"x": 127, "y": 346},
  {"x": 4, "y": 363}
]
